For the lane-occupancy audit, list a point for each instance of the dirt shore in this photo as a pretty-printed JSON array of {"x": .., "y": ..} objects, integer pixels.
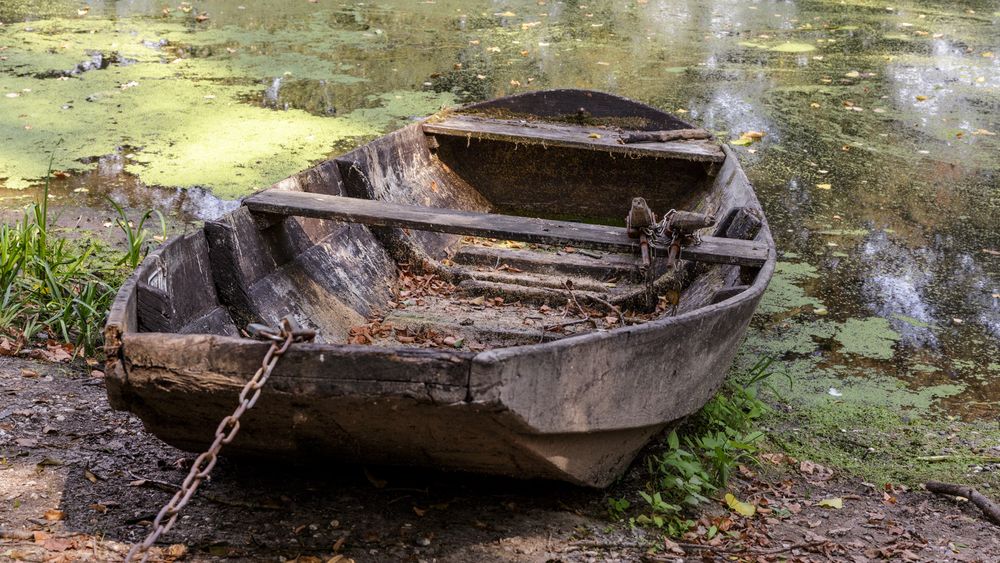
[{"x": 79, "y": 482}]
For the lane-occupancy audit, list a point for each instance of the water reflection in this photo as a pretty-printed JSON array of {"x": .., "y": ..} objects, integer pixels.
[
  {"x": 896, "y": 285},
  {"x": 108, "y": 180}
]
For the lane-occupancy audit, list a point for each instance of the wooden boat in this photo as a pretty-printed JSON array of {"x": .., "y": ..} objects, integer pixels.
[{"x": 479, "y": 302}]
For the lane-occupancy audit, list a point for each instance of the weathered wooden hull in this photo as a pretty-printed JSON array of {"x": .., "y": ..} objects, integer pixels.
[{"x": 576, "y": 408}]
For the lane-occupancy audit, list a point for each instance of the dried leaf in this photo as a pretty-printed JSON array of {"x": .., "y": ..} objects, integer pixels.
[
  {"x": 52, "y": 353},
  {"x": 776, "y": 458},
  {"x": 375, "y": 481},
  {"x": 54, "y": 514},
  {"x": 58, "y": 544},
  {"x": 740, "y": 507},
  {"x": 834, "y": 502}
]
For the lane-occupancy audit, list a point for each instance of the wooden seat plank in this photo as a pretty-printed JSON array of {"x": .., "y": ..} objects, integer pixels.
[
  {"x": 571, "y": 136},
  {"x": 505, "y": 227}
]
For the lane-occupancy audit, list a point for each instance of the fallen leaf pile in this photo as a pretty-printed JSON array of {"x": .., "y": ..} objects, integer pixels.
[
  {"x": 50, "y": 351},
  {"x": 17, "y": 545},
  {"x": 424, "y": 337},
  {"x": 412, "y": 288}
]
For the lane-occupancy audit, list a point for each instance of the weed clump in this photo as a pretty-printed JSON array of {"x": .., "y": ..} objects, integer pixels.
[
  {"x": 700, "y": 455},
  {"x": 60, "y": 286}
]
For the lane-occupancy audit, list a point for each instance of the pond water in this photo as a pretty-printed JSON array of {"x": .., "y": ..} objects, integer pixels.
[{"x": 878, "y": 166}]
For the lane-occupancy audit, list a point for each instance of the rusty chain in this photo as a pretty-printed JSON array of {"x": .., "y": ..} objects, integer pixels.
[{"x": 281, "y": 340}]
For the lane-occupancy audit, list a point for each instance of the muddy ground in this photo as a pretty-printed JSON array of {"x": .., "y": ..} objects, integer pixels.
[{"x": 79, "y": 481}]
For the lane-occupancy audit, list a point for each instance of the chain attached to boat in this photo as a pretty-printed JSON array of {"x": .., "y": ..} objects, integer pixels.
[{"x": 281, "y": 339}]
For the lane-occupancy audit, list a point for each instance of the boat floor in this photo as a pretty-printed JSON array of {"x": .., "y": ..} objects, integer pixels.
[{"x": 504, "y": 293}]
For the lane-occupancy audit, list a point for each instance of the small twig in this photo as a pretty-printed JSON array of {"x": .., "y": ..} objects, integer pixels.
[
  {"x": 665, "y": 136},
  {"x": 162, "y": 485},
  {"x": 989, "y": 508},
  {"x": 148, "y": 517},
  {"x": 569, "y": 287},
  {"x": 21, "y": 535},
  {"x": 697, "y": 547},
  {"x": 171, "y": 488},
  {"x": 613, "y": 307},
  {"x": 550, "y": 328},
  {"x": 16, "y": 534},
  {"x": 591, "y": 544},
  {"x": 565, "y": 324},
  {"x": 749, "y": 551}
]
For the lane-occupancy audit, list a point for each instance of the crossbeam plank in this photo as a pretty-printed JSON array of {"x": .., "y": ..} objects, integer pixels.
[
  {"x": 505, "y": 227},
  {"x": 570, "y": 136}
]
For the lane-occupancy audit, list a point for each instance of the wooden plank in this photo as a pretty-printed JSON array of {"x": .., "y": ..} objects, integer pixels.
[
  {"x": 603, "y": 267},
  {"x": 507, "y": 227},
  {"x": 573, "y": 136}
]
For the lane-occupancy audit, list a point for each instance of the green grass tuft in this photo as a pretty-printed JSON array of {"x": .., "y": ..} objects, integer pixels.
[{"x": 57, "y": 285}]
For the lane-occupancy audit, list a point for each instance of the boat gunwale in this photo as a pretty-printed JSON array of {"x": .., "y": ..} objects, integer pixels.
[{"x": 116, "y": 320}]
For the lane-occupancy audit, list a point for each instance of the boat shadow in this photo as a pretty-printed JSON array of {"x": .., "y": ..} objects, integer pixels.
[{"x": 253, "y": 510}]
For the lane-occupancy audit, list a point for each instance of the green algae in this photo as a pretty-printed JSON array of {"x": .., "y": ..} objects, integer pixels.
[
  {"x": 184, "y": 119},
  {"x": 785, "y": 292},
  {"x": 871, "y": 338},
  {"x": 882, "y": 445},
  {"x": 874, "y": 426},
  {"x": 912, "y": 321},
  {"x": 786, "y": 47},
  {"x": 798, "y": 338},
  {"x": 792, "y": 47}
]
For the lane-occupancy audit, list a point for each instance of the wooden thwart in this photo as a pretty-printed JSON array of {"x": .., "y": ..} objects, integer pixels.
[
  {"x": 572, "y": 136},
  {"x": 506, "y": 227}
]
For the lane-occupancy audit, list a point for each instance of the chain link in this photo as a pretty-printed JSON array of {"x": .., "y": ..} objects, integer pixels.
[{"x": 281, "y": 340}]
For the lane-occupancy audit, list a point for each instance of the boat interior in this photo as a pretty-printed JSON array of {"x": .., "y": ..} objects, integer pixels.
[{"x": 383, "y": 283}]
